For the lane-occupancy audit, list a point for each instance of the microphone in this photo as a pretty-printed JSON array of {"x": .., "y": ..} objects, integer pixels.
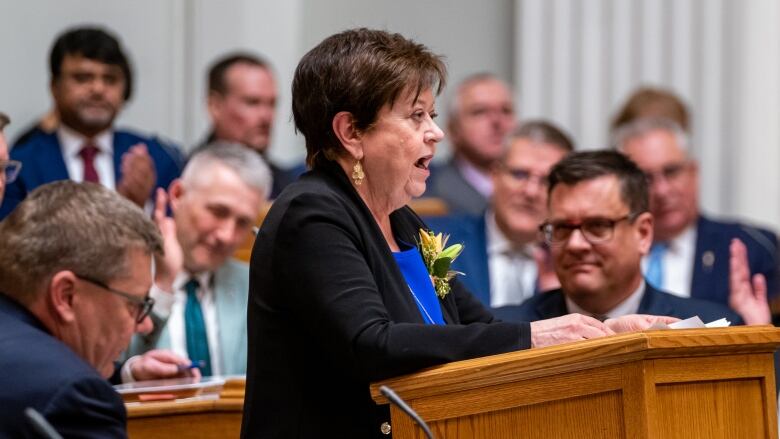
[
  {"x": 40, "y": 424},
  {"x": 401, "y": 404}
]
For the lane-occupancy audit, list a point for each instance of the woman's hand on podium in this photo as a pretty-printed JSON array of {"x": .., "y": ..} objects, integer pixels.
[{"x": 571, "y": 327}]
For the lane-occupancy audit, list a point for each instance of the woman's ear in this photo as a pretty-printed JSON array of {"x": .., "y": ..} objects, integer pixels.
[{"x": 350, "y": 137}]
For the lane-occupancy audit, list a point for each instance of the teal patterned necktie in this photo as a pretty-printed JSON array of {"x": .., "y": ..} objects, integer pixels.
[{"x": 195, "y": 327}]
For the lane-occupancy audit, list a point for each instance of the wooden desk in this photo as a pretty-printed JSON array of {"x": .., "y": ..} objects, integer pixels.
[{"x": 220, "y": 418}]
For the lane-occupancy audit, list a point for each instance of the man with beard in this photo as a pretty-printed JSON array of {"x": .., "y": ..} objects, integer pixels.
[
  {"x": 504, "y": 261},
  {"x": 481, "y": 115},
  {"x": 91, "y": 80}
]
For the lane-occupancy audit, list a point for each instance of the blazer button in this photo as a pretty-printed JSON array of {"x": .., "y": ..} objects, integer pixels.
[{"x": 385, "y": 427}]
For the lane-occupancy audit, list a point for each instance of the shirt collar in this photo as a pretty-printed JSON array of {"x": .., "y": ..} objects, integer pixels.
[
  {"x": 479, "y": 180},
  {"x": 203, "y": 278},
  {"x": 71, "y": 142},
  {"x": 684, "y": 240},
  {"x": 629, "y": 305}
]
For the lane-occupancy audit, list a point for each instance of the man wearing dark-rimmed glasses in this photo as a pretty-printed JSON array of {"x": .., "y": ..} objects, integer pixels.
[
  {"x": 598, "y": 230},
  {"x": 9, "y": 169},
  {"x": 75, "y": 273}
]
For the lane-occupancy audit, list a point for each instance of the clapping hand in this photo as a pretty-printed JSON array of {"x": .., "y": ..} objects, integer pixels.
[
  {"x": 138, "y": 175},
  {"x": 747, "y": 296}
]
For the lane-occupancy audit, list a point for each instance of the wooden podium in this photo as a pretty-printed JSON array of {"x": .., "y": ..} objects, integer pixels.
[{"x": 697, "y": 383}]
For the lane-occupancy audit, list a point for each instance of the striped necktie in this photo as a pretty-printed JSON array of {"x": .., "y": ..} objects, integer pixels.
[{"x": 195, "y": 327}]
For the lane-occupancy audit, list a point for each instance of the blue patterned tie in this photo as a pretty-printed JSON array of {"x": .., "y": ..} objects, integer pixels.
[
  {"x": 655, "y": 265},
  {"x": 195, "y": 327}
]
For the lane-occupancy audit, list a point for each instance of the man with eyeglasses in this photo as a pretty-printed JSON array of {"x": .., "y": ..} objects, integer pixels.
[
  {"x": 504, "y": 259},
  {"x": 598, "y": 228},
  {"x": 75, "y": 273},
  {"x": 91, "y": 81},
  {"x": 10, "y": 168},
  {"x": 693, "y": 255}
]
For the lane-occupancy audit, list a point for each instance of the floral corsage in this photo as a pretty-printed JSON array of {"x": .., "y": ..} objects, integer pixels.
[{"x": 438, "y": 259}]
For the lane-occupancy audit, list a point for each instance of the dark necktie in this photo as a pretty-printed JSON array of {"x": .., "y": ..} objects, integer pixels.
[
  {"x": 195, "y": 327},
  {"x": 88, "y": 153}
]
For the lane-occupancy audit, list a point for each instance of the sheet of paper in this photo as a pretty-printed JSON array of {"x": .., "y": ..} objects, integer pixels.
[{"x": 691, "y": 323}]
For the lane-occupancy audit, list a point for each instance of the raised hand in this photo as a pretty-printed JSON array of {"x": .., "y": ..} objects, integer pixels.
[
  {"x": 747, "y": 296},
  {"x": 169, "y": 265},
  {"x": 138, "y": 175},
  {"x": 571, "y": 327}
]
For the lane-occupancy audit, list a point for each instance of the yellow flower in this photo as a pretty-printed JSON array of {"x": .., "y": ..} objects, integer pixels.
[{"x": 438, "y": 259}]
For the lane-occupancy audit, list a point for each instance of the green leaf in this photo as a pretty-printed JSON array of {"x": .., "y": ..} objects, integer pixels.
[
  {"x": 452, "y": 251},
  {"x": 441, "y": 266}
]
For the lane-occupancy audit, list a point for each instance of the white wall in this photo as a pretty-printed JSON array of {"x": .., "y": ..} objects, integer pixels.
[{"x": 574, "y": 62}]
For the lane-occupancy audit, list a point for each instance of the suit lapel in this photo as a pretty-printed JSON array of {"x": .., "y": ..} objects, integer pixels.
[
  {"x": 702, "y": 278},
  {"x": 551, "y": 304},
  {"x": 51, "y": 166},
  {"x": 121, "y": 146},
  {"x": 652, "y": 303}
]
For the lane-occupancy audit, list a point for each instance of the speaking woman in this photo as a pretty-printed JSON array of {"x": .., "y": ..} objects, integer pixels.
[{"x": 339, "y": 293}]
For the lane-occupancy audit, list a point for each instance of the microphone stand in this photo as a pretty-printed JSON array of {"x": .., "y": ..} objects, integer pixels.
[{"x": 401, "y": 404}]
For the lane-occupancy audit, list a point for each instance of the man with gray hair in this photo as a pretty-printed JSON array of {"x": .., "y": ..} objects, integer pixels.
[
  {"x": 9, "y": 169},
  {"x": 693, "y": 255},
  {"x": 201, "y": 292},
  {"x": 75, "y": 272},
  {"x": 481, "y": 115}
]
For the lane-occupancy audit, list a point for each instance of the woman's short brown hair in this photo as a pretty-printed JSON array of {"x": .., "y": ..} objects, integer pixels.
[{"x": 359, "y": 71}]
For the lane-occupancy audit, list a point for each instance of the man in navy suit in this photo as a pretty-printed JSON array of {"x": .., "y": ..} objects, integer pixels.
[
  {"x": 481, "y": 115},
  {"x": 75, "y": 272},
  {"x": 503, "y": 258},
  {"x": 90, "y": 82},
  {"x": 599, "y": 227},
  {"x": 691, "y": 253}
]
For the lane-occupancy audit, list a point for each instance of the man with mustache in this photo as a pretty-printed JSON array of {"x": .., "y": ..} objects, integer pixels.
[
  {"x": 200, "y": 291},
  {"x": 481, "y": 115},
  {"x": 504, "y": 261},
  {"x": 242, "y": 98},
  {"x": 599, "y": 227},
  {"x": 91, "y": 80}
]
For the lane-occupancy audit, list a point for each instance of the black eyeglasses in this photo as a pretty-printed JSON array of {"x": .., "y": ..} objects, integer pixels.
[
  {"x": 10, "y": 170},
  {"x": 143, "y": 306},
  {"x": 595, "y": 230}
]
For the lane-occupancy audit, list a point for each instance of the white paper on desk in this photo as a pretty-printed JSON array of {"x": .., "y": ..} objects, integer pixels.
[{"x": 691, "y": 323}]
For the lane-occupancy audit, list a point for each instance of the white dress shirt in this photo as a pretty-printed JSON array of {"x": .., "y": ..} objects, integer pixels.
[
  {"x": 513, "y": 270},
  {"x": 628, "y": 306},
  {"x": 71, "y": 144},
  {"x": 171, "y": 306},
  {"x": 677, "y": 263}
]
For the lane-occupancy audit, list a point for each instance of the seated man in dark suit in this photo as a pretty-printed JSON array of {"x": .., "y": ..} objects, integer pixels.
[
  {"x": 503, "y": 258},
  {"x": 90, "y": 82},
  {"x": 599, "y": 227},
  {"x": 242, "y": 99},
  {"x": 481, "y": 114},
  {"x": 691, "y": 252},
  {"x": 75, "y": 272}
]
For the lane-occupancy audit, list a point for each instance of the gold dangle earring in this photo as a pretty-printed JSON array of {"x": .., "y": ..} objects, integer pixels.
[{"x": 357, "y": 173}]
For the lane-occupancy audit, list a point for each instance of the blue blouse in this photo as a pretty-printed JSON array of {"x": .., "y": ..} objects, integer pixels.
[{"x": 420, "y": 286}]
